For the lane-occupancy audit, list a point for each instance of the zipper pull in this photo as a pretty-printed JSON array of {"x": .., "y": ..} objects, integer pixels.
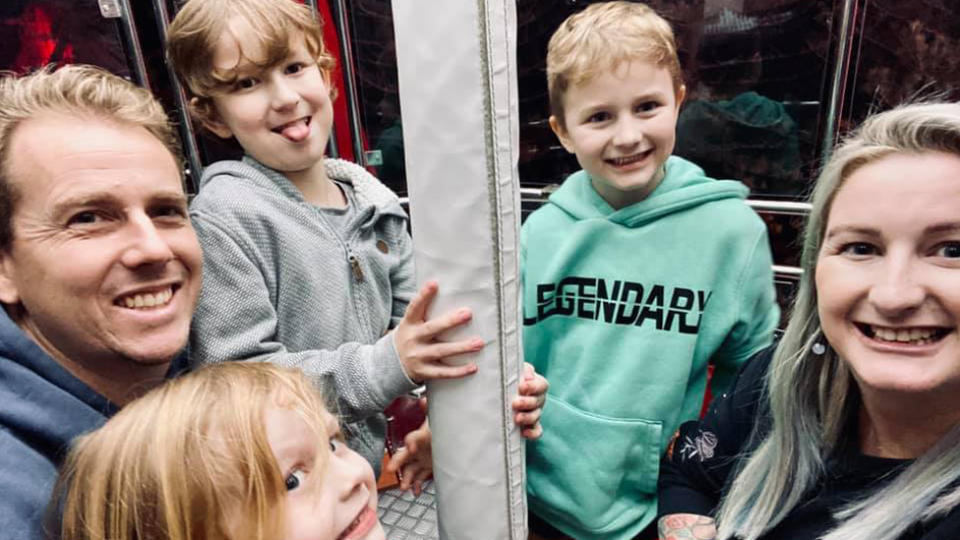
[{"x": 357, "y": 270}]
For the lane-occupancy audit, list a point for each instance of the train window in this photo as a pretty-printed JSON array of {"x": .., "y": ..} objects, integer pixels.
[
  {"x": 38, "y": 32},
  {"x": 378, "y": 103},
  {"x": 905, "y": 51},
  {"x": 755, "y": 72}
]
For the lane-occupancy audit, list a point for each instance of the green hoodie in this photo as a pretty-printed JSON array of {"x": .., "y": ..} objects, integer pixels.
[{"x": 623, "y": 310}]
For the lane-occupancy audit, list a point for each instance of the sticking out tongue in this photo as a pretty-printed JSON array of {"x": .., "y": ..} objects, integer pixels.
[{"x": 296, "y": 131}]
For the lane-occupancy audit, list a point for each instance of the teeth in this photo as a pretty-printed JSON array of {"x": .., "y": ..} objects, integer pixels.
[
  {"x": 912, "y": 335},
  {"x": 147, "y": 300}
]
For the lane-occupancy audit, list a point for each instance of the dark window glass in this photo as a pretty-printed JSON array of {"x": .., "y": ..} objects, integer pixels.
[
  {"x": 375, "y": 62},
  {"x": 905, "y": 50},
  {"x": 38, "y": 32},
  {"x": 755, "y": 72},
  {"x": 785, "y": 232}
]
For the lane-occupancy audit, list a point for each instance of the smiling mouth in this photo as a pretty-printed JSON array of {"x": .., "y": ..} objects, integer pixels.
[
  {"x": 147, "y": 300},
  {"x": 361, "y": 525},
  {"x": 629, "y": 160},
  {"x": 917, "y": 335}
]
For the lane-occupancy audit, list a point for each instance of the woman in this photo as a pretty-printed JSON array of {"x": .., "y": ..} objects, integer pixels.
[{"x": 852, "y": 429}]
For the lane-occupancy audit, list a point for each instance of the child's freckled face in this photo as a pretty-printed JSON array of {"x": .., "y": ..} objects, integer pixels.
[
  {"x": 621, "y": 124},
  {"x": 330, "y": 498},
  {"x": 281, "y": 115}
]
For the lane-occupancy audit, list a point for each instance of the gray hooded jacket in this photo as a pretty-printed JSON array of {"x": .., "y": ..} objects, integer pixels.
[{"x": 282, "y": 284}]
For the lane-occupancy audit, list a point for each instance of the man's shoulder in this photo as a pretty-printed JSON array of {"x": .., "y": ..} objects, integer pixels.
[{"x": 27, "y": 478}]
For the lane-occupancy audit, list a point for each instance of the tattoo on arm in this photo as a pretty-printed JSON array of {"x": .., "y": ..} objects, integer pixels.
[{"x": 687, "y": 527}]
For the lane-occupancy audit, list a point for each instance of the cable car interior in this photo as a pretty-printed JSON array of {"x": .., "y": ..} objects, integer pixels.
[{"x": 771, "y": 84}]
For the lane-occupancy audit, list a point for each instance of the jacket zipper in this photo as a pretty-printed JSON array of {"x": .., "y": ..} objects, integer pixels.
[{"x": 357, "y": 270}]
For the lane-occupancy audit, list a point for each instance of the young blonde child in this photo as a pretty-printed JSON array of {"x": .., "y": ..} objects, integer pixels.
[
  {"x": 638, "y": 272},
  {"x": 307, "y": 260},
  {"x": 238, "y": 451}
]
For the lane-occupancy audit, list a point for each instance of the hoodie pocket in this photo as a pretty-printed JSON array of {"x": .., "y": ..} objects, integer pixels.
[{"x": 593, "y": 472}]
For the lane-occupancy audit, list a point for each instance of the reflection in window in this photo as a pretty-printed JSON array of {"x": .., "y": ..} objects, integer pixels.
[
  {"x": 35, "y": 33},
  {"x": 375, "y": 57},
  {"x": 907, "y": 50}
]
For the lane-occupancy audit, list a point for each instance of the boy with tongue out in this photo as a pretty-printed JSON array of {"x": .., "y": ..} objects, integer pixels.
[
  {"x": 638, "y": 272},
  {"x": 307, "y": 260}
]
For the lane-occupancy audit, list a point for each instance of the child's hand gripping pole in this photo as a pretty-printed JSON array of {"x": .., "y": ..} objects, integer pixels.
[{"x": 415, "y": 338}]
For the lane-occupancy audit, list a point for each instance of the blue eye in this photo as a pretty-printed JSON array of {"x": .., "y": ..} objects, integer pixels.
[
  {"x": 950, "y": 250},
  {"x": 858, "y": 249},
  {"x": 294, "y": 479},
  {"x": 335, "y": 444}
]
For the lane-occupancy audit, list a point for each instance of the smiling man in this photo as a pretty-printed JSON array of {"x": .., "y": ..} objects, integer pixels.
[{"x": 99, "y": 268}]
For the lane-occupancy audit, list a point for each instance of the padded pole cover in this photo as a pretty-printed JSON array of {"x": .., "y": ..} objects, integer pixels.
[{"x": 458, "y": 96}]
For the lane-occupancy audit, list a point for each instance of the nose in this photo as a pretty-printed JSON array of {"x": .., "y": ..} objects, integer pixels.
[
  {"x": 627, "y": 132},
  {"x": 283, "y": 95},
  {"x": 355, "y": 473},
  {"x": 897, "y": 291},
  {"x": 146, "y": 244}
]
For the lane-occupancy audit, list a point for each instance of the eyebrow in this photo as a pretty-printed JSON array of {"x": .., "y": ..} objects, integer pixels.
[
  {"x": 941, "y": 228},
  {"x": 108, "y": 199},
  {"x": 851, "y": 229}
]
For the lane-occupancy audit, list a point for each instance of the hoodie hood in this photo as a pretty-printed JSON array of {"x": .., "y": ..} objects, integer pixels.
[{"x": 684, "y": 186}]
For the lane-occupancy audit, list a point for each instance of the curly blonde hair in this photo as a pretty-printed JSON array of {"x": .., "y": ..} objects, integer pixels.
[{"x": 194, "y": 32}]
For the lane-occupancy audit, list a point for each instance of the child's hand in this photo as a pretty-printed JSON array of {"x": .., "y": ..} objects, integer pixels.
[
  {"x": 422, "y": 357},
  {"x": 529, "y": 404},
  {"x": 413, "y": 464}
]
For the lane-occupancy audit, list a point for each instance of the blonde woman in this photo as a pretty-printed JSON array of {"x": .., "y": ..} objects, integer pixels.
[
  {"x": 851, "y": 430},
  {"x": 232, "y": 451}
]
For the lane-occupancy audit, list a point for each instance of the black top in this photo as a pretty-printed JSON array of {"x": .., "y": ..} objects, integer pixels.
[{"x": 697, "y": 468}]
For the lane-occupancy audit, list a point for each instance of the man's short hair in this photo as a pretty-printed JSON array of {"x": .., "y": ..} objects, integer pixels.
[
  {"x": 193, "y": 35},
  {"x": 600, "y": 38},
  {"x": 80, "y": 91}
]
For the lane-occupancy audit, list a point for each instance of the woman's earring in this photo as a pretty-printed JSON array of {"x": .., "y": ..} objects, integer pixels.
[{"x": 818, "y": 348}]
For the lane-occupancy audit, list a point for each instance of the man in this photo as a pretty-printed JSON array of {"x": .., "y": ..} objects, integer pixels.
[{"x": 99, "y": 268}]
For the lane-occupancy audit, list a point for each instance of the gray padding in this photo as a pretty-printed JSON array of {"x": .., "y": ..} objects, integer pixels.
[{"x": 458, "y": 96}]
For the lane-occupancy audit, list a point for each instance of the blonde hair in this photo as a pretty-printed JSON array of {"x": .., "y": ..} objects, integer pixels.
[
  {"x": 193, "y": 35},
  {"x": 600, "y": 38},
  {"x": 79, "y": 91},
  {"x": 189, "y": 460},
  {"x": 812, "y": 397}
]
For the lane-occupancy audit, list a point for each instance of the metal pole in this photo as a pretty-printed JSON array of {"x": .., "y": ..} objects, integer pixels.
[
  {"x": 332, "y": 149},
  {"x": 183, "y": 112},
  {"x": 349, "y": 79},
  {"x": 838, "y": 81},
  {"x": 131, "y": 39}
]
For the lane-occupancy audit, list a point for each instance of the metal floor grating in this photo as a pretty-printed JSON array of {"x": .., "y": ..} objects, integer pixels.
[{"x": 406, "y": 517}]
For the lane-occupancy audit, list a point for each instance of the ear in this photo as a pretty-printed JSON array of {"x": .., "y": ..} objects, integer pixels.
[
  {"x": 207, "y": 114},
  {"x": 681, "y": 95},
  {"x": 8, "y": 283},
  {"x": 561, "y": 132}
]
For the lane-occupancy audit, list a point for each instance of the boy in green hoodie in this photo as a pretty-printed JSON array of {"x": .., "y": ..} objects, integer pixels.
[{"x": 638, "y": 272}]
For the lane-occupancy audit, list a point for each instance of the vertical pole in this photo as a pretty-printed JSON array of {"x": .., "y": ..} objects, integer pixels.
[
  {"x": 132, "y": 43},
  {"x": 458, "y": 93},
  {"x": 838, "y": 81},
  {"x": 183, "y": 112},
  {"x": 349, "y": 80}
]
